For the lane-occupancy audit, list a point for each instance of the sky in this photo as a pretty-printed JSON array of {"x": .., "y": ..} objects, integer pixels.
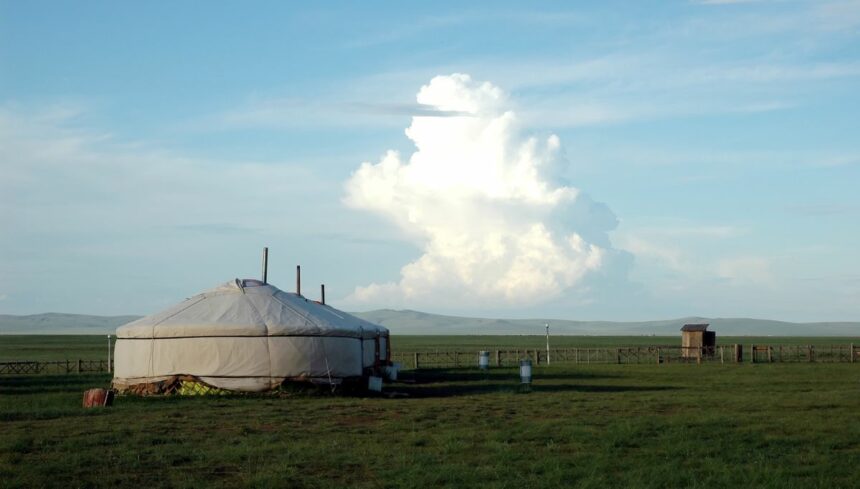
[{"x": 575, "y": 160}]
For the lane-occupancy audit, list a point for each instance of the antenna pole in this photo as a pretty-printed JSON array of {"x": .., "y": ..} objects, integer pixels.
[
  {"x": 265, "y": 264},
  {"x": 322, "y": 293},
  {"x": 547, "y": 343},
  {"x": 298, "y": 280}
]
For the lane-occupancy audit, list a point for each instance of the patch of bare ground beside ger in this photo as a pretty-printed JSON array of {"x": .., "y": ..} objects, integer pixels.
[{"x": 767, "y": 425}]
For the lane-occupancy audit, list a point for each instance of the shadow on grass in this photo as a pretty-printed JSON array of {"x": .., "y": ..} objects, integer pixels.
[
  {"x": 41, "y": 384},
  {"x": 427, "y": 383},
  {"x": 431, "y": 391},
  {"x": 451, "y": 383},
  {"x": 431, "y": 376}
]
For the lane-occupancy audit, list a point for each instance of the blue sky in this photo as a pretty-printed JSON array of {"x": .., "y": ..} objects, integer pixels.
[{"x": 148, "y": 152}]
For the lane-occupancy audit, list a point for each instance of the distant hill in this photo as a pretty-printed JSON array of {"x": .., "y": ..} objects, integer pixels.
[
  {"x": 58, "y": 323},
  {"x": 415, "y": 322}
]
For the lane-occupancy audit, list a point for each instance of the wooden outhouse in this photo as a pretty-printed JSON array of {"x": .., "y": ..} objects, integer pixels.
[{"x": 697, "y": 341}]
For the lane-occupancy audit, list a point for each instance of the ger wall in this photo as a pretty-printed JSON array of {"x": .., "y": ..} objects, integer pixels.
[{"x": 232, "y": 358}]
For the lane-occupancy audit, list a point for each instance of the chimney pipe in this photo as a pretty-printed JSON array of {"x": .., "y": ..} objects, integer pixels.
[
  {"x": 265, "y": 264},
  {"x": 298, "y": 280},
  {"x": 322, "y": 293}
]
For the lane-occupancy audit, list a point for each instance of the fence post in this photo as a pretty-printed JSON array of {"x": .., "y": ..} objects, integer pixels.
[
  {"x": 498, "y": 358},
  {"x": 576, "y": 355},
  {"x": 851, "y": 352},
  {"x": 769, "y": 354},
  {"x": 618, "y": 356},
  {"x": 415, "y": 360},
  {"x": 79, "y": 366},
  {"x": 658, "y": 356},
  {"x": 752, "y": 353},
  {"x": 722, "y": 360},
  {"x": 537, "y": 357}
]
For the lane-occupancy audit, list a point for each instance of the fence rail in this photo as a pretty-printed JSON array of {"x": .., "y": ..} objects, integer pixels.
[
  {"x": 54, "y": 367},
  {"x": 835, "y": 353}
]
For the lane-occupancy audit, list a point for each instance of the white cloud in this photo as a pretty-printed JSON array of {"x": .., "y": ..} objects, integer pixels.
[{"x": 481, "y": 200}]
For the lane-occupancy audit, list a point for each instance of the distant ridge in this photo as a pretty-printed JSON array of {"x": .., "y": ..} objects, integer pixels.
[
  {"x": 416, "y": 322},
  {"x": 59, "y": 323}
]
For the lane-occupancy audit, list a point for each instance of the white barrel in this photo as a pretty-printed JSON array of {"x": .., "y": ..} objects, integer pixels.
[
  {"x": 483, "y": 360},
  {"x": 525, "y": 371}
]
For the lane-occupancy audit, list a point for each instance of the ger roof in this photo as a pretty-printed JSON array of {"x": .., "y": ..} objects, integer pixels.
[
  {"x": 249, "y": 308},
  {"x": 695, "y": 327}
]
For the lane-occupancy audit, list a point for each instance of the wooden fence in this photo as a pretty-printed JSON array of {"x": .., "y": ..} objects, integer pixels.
[
  {"x": 655, "y": 355},
  {"x": 54, "y": 367}
]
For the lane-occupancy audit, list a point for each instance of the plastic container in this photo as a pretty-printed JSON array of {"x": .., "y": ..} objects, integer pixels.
[
  {"x": 374, "y": 383},
  {"x": 483, "y": 360},
  {"x": 525, "y": 371}
]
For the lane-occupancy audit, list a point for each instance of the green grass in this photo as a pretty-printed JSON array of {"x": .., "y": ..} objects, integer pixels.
[
  {"x": 53, "y": 347},
  {"x": 68, "y": 347},
  {"x": 776, "y": 425}
]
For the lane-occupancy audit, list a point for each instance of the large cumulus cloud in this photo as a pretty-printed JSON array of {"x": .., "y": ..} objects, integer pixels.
[{"x": 483, "y": 201}]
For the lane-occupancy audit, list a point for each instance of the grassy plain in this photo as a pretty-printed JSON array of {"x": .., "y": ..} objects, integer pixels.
[
  {"x": 774, "y": 425},
  {"x": 72, "y": 347}
]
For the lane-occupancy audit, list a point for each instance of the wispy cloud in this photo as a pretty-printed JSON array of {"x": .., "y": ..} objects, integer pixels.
[
  {"x": 58, "y": 176},
  {"x": 605, "y": 90},
  {"x": 746, "y": 270}
]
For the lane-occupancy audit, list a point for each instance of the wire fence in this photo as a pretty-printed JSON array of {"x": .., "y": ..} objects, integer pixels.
[
  {"x": 54, "y": 367},
  {"x": 655, "y": 355}
]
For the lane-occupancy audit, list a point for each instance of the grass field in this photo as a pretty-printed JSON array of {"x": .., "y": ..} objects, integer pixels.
[
  {"x": 776, "y": 425},
  {"x": 69, "y": 347}
]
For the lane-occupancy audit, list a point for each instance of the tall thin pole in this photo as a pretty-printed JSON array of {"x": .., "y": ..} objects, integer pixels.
[
  {"x": 265, "y": 264},
  {"x": 322, "y": 293},
  {"x": 298, "y": 280},
  {"x": 547, "y": 343},
  {"x": 109, "y": 369}
]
